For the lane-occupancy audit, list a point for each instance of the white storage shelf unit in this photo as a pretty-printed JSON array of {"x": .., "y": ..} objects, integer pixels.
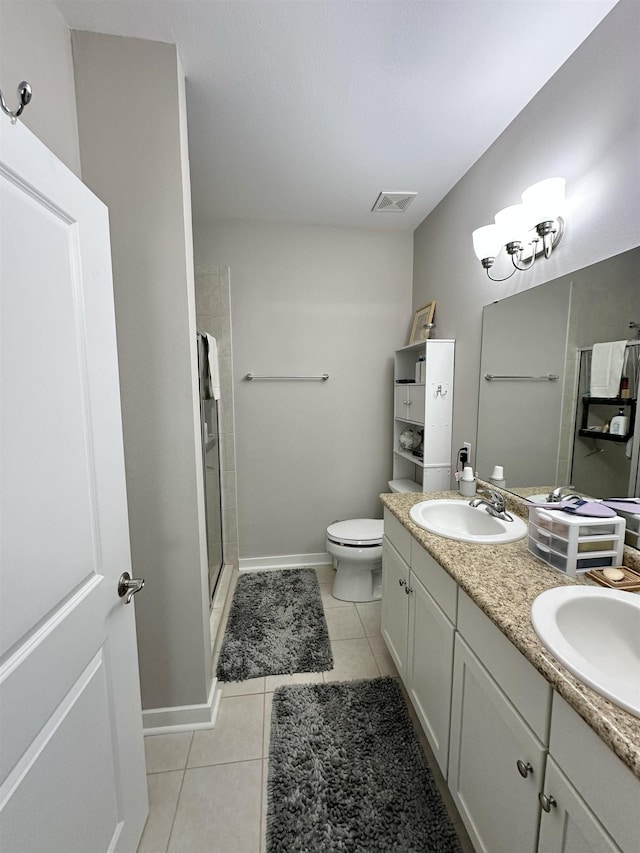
[{"x": 426, "y": 406}]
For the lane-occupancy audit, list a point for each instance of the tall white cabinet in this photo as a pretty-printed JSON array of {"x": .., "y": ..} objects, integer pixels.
[{"x": 426, "y": 405}]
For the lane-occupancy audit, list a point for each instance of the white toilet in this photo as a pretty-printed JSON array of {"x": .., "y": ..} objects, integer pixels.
[{"x": 355, "y": 547}]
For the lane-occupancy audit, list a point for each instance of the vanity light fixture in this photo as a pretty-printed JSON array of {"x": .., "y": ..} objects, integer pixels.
[{"x": 524, "y": 230}]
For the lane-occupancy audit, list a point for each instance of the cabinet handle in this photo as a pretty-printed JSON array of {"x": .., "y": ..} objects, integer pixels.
[
  {"x": 524, "y": 769},
  {"x": 402, "y": 583},
  {"x": 547, "y": 802},
  {"x": 408, "y": 590},
  {"x": 406, "y": 402}
]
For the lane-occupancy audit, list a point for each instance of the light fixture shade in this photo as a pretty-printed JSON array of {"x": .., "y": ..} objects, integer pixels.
[
  {"x": 544, "y": 201},
  {"x": 512, "y": 224},
  {"x": 486, "y": 242}
]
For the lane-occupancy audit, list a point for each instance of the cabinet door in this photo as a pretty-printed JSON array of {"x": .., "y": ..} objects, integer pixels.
[
  {"x": 499, "y": 807},
  {"x": 570, "y": 826},
  {"x": 409, "y": 403},
  {"x": 430, "y": 668},
  {"x": 395, "y": 605}
]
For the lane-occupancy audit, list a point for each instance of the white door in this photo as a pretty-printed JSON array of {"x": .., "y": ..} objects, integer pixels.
[{"x": 72, "y": 775}]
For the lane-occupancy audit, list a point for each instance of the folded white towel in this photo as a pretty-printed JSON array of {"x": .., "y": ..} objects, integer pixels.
[
  {"x": 214, "y": 371},
  {"x": 606, "y": 368}
]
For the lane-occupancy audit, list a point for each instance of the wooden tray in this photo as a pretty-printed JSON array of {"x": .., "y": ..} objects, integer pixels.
[{"x": 630, "y": 582}]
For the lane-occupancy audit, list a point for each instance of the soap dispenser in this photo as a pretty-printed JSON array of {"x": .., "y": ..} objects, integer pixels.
[{"x": 467, "y": 482}]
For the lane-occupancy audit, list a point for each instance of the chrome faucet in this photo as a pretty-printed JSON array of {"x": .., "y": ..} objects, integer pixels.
[
  {"x": 494, "y": 503},
  {"x": 561, "y": 493}
]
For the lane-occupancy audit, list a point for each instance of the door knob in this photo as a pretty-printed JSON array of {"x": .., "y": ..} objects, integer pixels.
[{"x": 129, "y": 586}]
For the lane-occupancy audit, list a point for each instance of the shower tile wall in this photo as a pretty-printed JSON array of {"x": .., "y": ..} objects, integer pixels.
[{"x": 213, "y": 313}]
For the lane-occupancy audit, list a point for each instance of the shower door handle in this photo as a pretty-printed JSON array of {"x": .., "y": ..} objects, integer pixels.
[{"x": 129, "y": 586}]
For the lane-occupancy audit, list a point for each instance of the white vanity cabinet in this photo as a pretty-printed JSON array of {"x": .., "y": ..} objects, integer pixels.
[
  {"x": 425, "y": 406},
  {"x": 497, "y": 802},
  {"x": 569, "y": 826},
  {"x": 499, "y": 735},
  {"x": 395, "y": 606},
  {"x": 419, "y": 602},
  {"x": 593, "y": 798},
  {"x": 432, "y": 615},
  {"x": 396, "y": 555},
  {"x": 526, "y": 773}
]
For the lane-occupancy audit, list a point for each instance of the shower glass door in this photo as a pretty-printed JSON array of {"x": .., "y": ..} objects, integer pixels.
[{"x": 211, "y": 465}]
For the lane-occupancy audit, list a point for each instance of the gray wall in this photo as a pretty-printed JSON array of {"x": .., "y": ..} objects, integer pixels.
[
  {"x": 583, "y": 125},
  {"x": 305, "y": 300},
  {"x": 134, "y": 158},
  {"x": 35, "y": 45}
]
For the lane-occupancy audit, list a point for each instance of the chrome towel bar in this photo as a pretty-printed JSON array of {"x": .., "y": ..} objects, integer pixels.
[
  {"x": 550, "y": 377},
  {"x": 322, "y": 378}
]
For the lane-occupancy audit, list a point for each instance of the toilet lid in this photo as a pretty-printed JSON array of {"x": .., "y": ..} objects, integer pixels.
[{"x": 357, "y": 531}]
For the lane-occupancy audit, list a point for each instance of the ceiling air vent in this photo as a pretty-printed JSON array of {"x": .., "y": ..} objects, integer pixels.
[{"x": 397, "y": 202}]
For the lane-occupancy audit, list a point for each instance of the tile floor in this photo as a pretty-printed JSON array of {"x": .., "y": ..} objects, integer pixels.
[{"x": 208, "y": 789}]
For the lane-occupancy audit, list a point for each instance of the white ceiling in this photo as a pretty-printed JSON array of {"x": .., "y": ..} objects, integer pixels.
[{"x": 303, "y": 110}]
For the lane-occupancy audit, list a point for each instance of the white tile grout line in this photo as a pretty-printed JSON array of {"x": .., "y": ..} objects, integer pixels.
[{"x": 173, "y": 822}]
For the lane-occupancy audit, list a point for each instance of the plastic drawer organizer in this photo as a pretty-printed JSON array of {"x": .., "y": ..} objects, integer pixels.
[
  {"x": 632, "y": 536},
  {"x": 572, "y": 543}
]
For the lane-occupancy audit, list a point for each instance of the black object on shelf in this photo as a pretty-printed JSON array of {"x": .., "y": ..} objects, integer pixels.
[
  {"x": 588, "y": 401},
  {"x": 405, "y": 382}
]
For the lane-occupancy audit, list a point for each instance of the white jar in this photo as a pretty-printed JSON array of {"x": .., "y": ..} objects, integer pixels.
[
  {"x": 619, "y": 425},
  {"x": 497, "y": 477}
]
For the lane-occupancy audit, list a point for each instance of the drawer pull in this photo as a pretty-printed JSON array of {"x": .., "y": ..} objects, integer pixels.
[
  {"x": 547, "y": 802},
  {"x": 524, "y": 769}
]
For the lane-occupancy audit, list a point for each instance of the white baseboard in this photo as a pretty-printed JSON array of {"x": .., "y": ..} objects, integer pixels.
[
  {"x": 284, "y": 561},
  {"x": 184, "y": 718}
]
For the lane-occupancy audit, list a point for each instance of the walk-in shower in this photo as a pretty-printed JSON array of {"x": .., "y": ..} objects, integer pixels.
[{"x": 211, "y": 466}]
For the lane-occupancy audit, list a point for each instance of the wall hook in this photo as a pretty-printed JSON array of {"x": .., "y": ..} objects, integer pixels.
[
  {"x": 24, "y": 96},
  {"x": 439, "y": 392}
]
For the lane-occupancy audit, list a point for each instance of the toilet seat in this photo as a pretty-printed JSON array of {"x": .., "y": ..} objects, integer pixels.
[{"x": 357, "y": 533}]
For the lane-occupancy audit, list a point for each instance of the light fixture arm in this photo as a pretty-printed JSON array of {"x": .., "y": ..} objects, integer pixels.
[
  {"x": 487, "y": 263},
  {"x": 554, "y": 227}
]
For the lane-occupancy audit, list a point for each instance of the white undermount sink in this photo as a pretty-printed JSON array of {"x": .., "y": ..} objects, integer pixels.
[
  {"x": 595, "y": 633},
  {"x": 455, "y": 519}
]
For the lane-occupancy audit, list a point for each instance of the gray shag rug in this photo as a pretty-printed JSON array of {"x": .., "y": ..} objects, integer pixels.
[
  {"x": 276, "y": 625},
  {"x": 346, "y": 773}
]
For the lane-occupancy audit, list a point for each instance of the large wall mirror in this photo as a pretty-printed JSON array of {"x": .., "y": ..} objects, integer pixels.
[{"x": 535, "y": 414}]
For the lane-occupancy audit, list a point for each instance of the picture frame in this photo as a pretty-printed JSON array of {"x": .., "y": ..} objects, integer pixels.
[{"x": 422, "y": 322}]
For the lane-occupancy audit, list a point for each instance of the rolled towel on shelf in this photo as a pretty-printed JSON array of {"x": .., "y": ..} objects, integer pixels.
[
  {"x": 606, "y": 368},
  {"x": 214, "y": 370}
]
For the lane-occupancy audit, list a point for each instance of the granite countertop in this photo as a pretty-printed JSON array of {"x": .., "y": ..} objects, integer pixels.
[{"x": 503, "y": 580}]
